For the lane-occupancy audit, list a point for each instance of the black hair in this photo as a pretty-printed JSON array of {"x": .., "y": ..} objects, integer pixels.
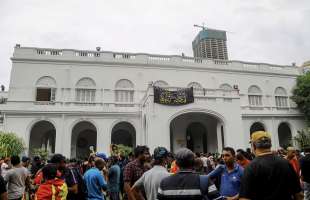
[
  {"x": 185, "y": 158},
  {"x": 25, "y": 159},
  {"x": 307, "y": 149},
  {"x": 73, "y": 160},
  {"x": 49, "y": 171},
  {"x": 99, "y": 162},
  {"x": 36, "y": 158},
  {"x": 230, "y": 149},
  {"x": 114, "y": 160},
  {"x": 57, "y": 158},
  {"x": 15, "y": 160},
  {"x": 139, "y": 150},
  {"x": 264, "y": 143},
  {"x": 240, "y": 156}
]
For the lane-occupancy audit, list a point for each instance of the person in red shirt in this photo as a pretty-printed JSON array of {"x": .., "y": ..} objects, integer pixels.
[
  {"x": 242, "y": 160},
  {"x": 291, "y": 157},
  {"x": 52, "y": 187},
  {"x": 174, "y": 167}
]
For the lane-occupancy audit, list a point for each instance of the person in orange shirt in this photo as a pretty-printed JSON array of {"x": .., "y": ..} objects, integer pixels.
[
  {"x": 291, "y": 157},
  {"x": 174, "y": 167},
  {"x": 242, "y": 160},
  {"x": 52, "y": 187}
]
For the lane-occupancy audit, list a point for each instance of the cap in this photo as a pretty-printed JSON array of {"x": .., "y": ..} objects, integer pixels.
[
  {"x": 291, "y": 149},
  {"x": 259, "y": 135},
  {"x": 160, "y": 152},
  {"x": 102, "y": 155},
  {"x": 25, "y": 159}
]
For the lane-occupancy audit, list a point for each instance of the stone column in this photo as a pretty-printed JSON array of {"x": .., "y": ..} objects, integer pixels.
[
  {"x": 60, "y": 136},
  {"x": 219, "y": 137},
  {"x": 103, "y": 137}
]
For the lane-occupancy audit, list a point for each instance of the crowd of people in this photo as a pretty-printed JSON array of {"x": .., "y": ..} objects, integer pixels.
[{"x": 255, "y": 174}]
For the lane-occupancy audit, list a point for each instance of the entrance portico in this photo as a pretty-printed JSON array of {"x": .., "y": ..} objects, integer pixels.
[{"x": 198, "y": 131}]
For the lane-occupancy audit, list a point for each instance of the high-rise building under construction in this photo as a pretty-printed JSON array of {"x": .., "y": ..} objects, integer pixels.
[{"x": 210, "y": 43}]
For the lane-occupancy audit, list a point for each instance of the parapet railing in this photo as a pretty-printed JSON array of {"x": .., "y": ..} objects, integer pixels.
[{"x": 105, "y": 56}]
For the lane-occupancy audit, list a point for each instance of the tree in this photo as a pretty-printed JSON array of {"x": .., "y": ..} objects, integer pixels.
[
  {"x": 121, "y": 149},
  {"x": 43, "y": 153},
  {"x": 301, "y": 95},
  {"x": 303, "y": 138},
  {"x": 10, "y": 144}
]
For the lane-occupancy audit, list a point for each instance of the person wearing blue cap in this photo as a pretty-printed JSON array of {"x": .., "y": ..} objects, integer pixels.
[
  {"x": 95, "y": 181},
  {"x": 150, "y": 180},
  {"x": 102, "y": 155}
]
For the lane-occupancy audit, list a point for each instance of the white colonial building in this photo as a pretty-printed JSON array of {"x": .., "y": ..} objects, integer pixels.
[{"x": 67, "y": 100}]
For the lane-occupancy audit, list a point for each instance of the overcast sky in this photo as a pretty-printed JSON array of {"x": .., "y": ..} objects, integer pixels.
[{"x": 272, "y": 31}]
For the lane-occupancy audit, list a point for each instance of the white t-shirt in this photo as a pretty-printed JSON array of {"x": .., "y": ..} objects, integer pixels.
[
  {"x": 16, "y": 178},
  {"x": 204, "y": 161},
  {"x": 4, "y": 169},
  {"x": 150, "y": 181}
]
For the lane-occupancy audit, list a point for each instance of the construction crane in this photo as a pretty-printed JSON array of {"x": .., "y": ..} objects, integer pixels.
[
  {"x": 199, "y": 26},
  {"x": 203, "y": 27}
]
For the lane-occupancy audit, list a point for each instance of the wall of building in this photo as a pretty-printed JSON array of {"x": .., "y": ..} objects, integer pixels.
[{"x": 151, "y": 121}]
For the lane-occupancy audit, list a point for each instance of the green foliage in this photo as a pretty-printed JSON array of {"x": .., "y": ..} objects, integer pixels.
[
  {"x": 10, "y": 144},
  {"x": 43, "y": 153},
  {"x": 124, "y": 150},
  {"x": 301, "y": 95},
  {"x": 303, "y": 138}
]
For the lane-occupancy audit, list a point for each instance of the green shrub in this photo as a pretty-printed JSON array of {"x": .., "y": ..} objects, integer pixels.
[
  {"x": 11, "y": 144},
  {"x": 303, "y": 138},
  {"x": 43, "y": 153},
  {"x": 124, "y": 150}
]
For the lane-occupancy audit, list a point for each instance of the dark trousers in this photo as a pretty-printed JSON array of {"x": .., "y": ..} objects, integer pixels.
[{"x": 114, "y": 195}]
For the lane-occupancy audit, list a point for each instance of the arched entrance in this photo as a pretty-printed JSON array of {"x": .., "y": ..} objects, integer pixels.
[
  {"x": 42, "y": 135},
  {"x": 84, "y": 135},
  {"x": 197, "y": 131},
  {"x": 124, "y": 133},
  {"x": 257, "y": 126},
  {"x": 196, "y": 137},
  {"x": 285, "y": 135}
]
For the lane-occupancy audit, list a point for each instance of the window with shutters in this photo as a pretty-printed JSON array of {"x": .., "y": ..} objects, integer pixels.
[
  {"x": 281, "y": 98},
  {"x": 45, "y": 94},
  {"x": 124, "y": 91},
  {"x": 85, "y": 91},
  {"x": 255, "y": 96},
  {"x": 46, "y": 89},
  {"x": 85, "y": 95}
]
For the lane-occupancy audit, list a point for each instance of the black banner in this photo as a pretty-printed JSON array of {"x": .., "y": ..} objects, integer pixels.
[{"x": 179, "y": 97}]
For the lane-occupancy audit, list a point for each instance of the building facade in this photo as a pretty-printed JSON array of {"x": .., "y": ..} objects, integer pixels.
[
  {"x": 210, "y": 43},
  {"x": 67, "y": 100}
]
